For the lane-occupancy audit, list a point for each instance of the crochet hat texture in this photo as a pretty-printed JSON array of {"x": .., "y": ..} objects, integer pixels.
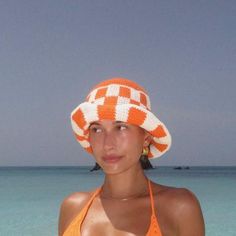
[{"x": 123, "y": 100}]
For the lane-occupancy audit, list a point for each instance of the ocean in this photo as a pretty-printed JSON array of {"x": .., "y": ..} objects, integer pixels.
[{"x": 30, "y": 197}]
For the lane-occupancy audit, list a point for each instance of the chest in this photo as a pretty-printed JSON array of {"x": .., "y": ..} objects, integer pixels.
[
  {"x": 126, "y": 219},
  {"x": 117, "y": 219}
]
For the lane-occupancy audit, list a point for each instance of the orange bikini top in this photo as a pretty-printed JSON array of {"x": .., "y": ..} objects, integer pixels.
[{"x": 74, "y": 228}]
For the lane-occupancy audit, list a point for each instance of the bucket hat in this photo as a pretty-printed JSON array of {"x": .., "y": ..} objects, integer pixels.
[{"x": 120, "y": 99}]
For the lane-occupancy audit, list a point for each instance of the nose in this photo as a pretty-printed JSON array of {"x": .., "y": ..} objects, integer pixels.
[{"x": 108, "y": 141}]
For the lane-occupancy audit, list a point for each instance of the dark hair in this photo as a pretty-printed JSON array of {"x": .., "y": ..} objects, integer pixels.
[{"x": 144, "y": 161}]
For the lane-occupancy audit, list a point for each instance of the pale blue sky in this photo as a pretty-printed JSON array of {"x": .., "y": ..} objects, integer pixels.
[{"x": 52, "y": 52}]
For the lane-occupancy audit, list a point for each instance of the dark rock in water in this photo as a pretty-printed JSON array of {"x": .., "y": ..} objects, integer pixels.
[
  {"x": 178, "y": 168},
  {"x": 181, "y": 168}
]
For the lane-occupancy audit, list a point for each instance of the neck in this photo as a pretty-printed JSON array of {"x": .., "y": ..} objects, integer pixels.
[{"x": 125, "y": 186}]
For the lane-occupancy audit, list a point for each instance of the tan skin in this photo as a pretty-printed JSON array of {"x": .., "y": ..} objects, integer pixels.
[{"x": 177, "y": 209}]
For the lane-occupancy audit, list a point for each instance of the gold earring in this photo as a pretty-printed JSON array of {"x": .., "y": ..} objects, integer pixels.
[{"x": 145, "y": 151}]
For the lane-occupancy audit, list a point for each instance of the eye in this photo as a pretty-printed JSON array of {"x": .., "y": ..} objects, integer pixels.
[
  {"x": 122, "y": 127},
  {"x": 95, "y": 129}
]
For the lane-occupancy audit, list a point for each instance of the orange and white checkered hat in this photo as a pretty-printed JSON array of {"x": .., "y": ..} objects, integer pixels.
[{"x": 123, "y": 100}]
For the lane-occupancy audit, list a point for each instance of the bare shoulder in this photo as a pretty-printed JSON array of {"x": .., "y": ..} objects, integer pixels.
[
  {"x": 70, "y": 207},
  {"x": 183, "y": 208},
  {"x": 177, "y": 196}
]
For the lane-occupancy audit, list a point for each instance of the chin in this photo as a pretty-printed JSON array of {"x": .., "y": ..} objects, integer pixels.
[
  {"x": 111, "y": 169},
  {"x": 117, "y": 169}
]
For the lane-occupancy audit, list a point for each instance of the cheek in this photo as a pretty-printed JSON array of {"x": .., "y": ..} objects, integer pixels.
[
  {"x": 95, "y": 142},
  {"x": 131, "y": 142}
]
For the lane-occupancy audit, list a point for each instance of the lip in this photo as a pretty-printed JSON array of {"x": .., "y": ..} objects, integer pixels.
[{"x": 111, "y": 158}]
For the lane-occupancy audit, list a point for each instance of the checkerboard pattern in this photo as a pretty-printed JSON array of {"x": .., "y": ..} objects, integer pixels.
[
  {"x": 116, "y": 94},
  {"x": 123, "y": 100}
]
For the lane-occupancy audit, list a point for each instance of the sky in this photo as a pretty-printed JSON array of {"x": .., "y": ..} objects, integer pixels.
[{"x": 52, "y": 52}]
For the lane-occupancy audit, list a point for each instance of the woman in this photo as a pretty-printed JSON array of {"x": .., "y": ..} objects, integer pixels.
[{"x": 116, "y": 126}]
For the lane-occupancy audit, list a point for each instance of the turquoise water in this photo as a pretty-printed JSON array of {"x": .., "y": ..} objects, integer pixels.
[{"x": 30, "y": 197}]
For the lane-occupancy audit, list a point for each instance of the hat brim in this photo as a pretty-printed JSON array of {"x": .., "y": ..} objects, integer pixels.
[{"x": 86, "y": 113}]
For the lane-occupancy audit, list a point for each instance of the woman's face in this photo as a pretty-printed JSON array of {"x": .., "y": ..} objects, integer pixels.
[{"x": 116, "y": 145}]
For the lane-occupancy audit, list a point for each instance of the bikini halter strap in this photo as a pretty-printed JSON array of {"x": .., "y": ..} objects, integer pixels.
[{"x": 151, "y": 197}]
